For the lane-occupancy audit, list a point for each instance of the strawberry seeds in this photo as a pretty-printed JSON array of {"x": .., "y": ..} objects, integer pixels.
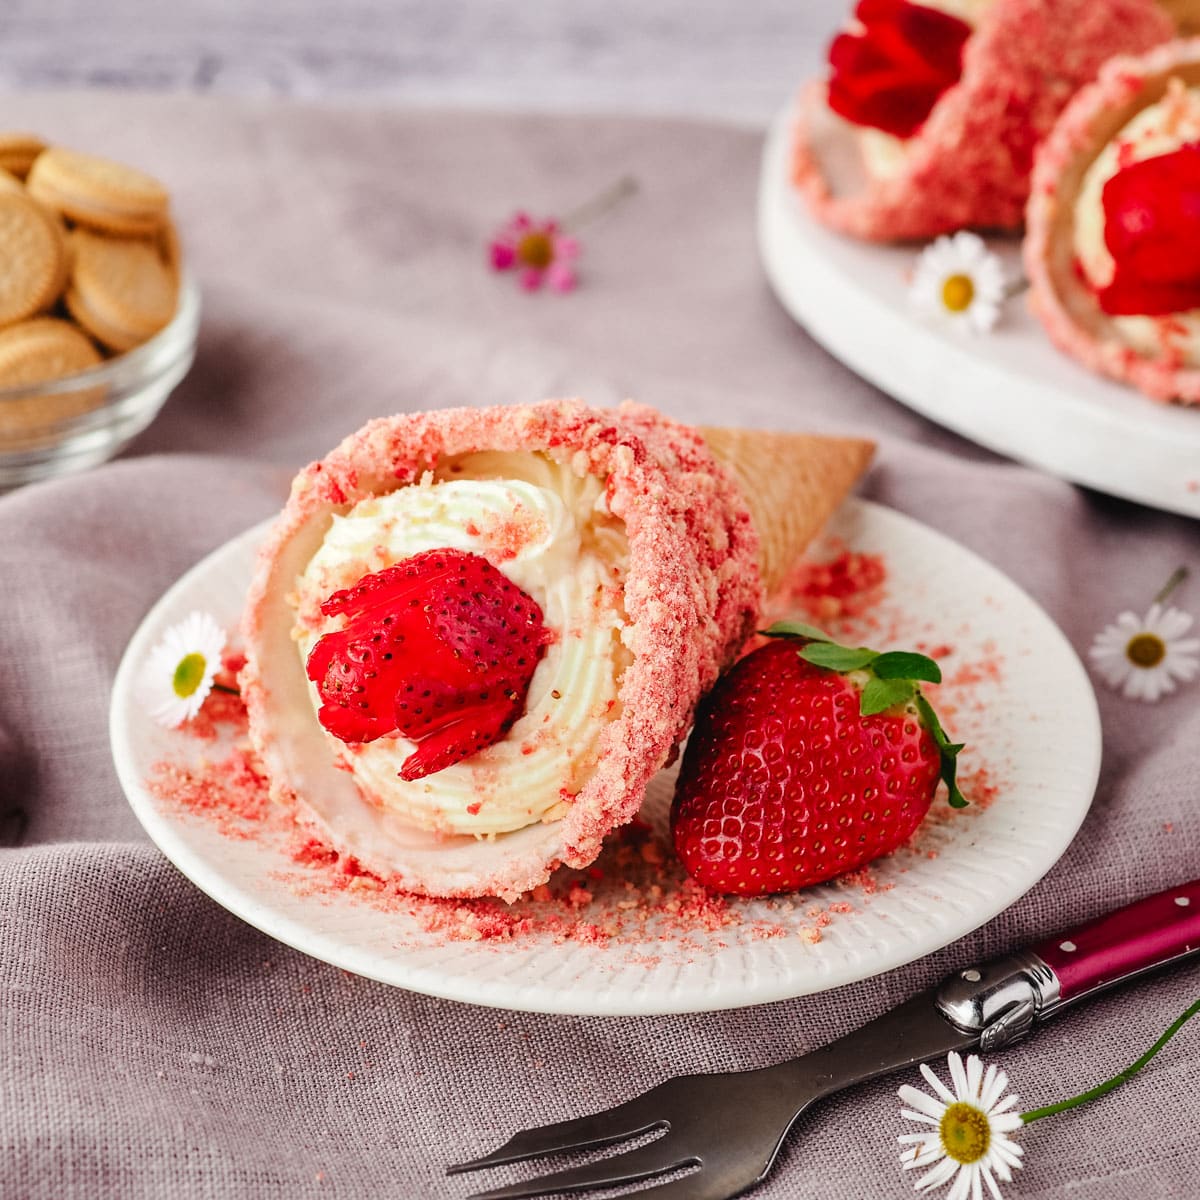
[
  {"x": 808, "y": 760},
  {"x": 440, "y": 648}
]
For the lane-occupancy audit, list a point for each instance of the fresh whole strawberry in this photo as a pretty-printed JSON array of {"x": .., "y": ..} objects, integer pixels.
[
  {"x": 440, "y": 648},
  {"x": 808, "y": 759}
]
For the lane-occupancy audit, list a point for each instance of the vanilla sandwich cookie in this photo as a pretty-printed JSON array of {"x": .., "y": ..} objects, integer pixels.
[
  {"x": 34, "y": 255},
  {"x": 121, "y": 291},
  {"x": 18, "y": 152},
  {"x": 106, "y": 196},
  {"x": 35, "y": 352}
]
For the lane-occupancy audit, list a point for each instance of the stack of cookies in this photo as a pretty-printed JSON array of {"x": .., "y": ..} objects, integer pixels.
[{"x": 89, "y": 268}]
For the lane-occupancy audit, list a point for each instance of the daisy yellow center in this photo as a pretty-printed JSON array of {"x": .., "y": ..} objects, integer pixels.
[
  {"x": 536, "y": 250},
  {"x": 958, "y": 292},
  {"x": 965, "y": 1132},
  {"x": 189, "y": 675},
  {"x": 1146, "y": 650}
]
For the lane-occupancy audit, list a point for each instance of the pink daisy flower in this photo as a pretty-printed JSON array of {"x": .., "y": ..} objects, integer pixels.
[{"x": 537, "y": 251}]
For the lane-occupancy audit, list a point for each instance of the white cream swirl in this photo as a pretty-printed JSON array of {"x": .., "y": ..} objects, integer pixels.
[
  {"x": 1158, "y": 129},
  {"x": 550, "y": 532}
]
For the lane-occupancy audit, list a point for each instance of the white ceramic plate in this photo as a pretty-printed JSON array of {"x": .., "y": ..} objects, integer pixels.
[
  {"x": 1009, "y": 390},
  {"x": 1016, "y": 692}
]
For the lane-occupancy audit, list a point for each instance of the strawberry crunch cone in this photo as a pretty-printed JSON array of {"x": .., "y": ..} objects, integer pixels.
[
  {"x": 1111, "y": 251},
  {"x": 475, "y": 634},
  {"x": 932, "y": 112}
]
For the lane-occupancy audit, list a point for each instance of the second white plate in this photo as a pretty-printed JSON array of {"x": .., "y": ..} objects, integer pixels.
[
  {"x": 1015, "y": 692},
  {"x": 1009, "y": 390}
]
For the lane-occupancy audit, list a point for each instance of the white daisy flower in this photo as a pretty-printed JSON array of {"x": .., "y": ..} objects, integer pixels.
[
  {"x": 969, "y": 1136},
  {"x": 1142, "y": 657},
  {"x": 179, "y": 672},
  {"x": 960, "y": 279}
]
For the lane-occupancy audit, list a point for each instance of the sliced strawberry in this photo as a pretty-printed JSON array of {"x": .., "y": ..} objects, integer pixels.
[
  {"x": 440, "y": 648},
  {"x": 893, "y": 68},
  {"x": 459, "y": 737},
  {"x": 794, "y": 773},
  {"x": 1151, "y": 219}
]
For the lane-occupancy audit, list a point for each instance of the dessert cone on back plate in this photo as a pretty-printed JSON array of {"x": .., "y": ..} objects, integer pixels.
[
  {"x": 1185, "y": 14},
  {"x": 475, "y": 634},
  {"x": 1112, "y": 250},
  {"x": 931, "y": 113}
]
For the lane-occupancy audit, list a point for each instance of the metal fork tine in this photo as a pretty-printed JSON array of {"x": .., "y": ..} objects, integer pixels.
[
  {"x": 642, "y": 1163},
  {"x": 583, "y": 1133},
  {"x": 698, "y": 1185}
]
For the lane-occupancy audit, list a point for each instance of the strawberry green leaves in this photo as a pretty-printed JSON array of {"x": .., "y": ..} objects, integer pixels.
[
  {"x": 948, "y": 750},
  {"x": 797, "y": 629},
  {"x": 878, "y": 695},
  {"x": 893, "y": 678},
  {"x": 837, "y": 658},
  {"x": 903, "y": 664}
]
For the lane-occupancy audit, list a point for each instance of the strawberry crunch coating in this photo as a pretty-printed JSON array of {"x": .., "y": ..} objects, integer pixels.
[
  {"x": 1153, "y": 352},
  {"x": 691, "y": 595},
  {"x": 968, "y": 164}
]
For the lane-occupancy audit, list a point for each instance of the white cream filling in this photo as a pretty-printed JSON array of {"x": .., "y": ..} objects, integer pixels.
[
  {"x": 550, "y": 532},
  {"x": 883, "y": 154},
  {"x": 1158, "y": 129}
]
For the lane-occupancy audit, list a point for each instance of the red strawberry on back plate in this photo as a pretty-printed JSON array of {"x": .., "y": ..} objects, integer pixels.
[
  {"x": 786, "y": 783},
  {"x": 440, "y": 647}
]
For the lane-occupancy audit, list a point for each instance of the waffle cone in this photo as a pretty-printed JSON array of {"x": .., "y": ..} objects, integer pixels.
[
  {"x": 1185, "y": 14},
  {"x": 792, "y": 483}
]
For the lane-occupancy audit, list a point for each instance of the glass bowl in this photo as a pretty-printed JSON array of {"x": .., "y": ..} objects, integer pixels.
[{"x": 83, "y": 419}]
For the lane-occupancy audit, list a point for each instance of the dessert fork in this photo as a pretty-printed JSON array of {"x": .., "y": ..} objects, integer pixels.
[{"x": 730, "y": 1126}]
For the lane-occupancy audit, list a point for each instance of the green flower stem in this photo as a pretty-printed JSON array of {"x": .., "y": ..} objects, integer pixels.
[
  {"x": 599, "y": 205},
  {"x": 220, "y": 687},
  {"x": 1015, "y": 288},
  {"x": 1177, "y": 577},
  {"x": 1115, "y": 1082}
]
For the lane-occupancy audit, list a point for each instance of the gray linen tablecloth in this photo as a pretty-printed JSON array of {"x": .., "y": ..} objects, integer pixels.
[{"x": 153, "y": 1045}]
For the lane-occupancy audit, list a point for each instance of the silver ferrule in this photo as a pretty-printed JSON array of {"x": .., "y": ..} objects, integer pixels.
[{"x": 999, "y": 1000}]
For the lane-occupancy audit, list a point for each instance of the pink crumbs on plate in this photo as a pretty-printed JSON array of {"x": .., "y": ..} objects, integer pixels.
[
  {"x": 221, "y": 708},
  {"x": 231, "y": 791},
  {"x": 636, "y": 895},
  {"x": 846, "y": 585},
  {"x": 634, "y": 884}
]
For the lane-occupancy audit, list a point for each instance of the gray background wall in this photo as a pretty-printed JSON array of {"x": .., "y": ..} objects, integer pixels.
[{"x": 736, "y": 59}]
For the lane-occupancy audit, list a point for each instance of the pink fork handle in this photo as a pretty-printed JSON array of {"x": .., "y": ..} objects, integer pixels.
[{"x": 1145, "y": 934}]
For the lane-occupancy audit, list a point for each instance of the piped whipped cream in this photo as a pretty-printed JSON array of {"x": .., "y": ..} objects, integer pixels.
[
  {"x": 550, "y": 532},
  {"x": 1159, "y": 128}
]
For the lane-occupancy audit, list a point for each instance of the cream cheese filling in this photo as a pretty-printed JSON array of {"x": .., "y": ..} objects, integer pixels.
[
  {"x": 1158, "y": 129},
  {"x": 550, "y": 532}
]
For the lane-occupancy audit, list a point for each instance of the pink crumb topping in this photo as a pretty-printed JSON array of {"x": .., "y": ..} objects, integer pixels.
[
  {"x": 969, "y": 164},
  {"x": 504, "y": 537}
]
